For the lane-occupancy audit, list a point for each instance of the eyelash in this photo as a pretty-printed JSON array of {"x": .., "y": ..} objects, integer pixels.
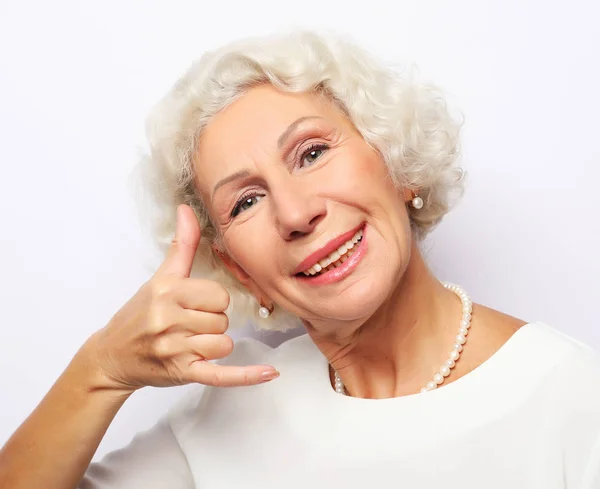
[
  {"x": 311, "y": 148},
  {"x": 248, "y": 195}
]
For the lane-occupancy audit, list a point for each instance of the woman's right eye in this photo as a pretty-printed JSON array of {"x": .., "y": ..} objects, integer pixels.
[{"x": 244, "y": 204}]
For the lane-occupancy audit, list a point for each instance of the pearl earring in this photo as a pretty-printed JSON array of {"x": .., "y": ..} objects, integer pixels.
[
  {"x": 264, "y": 312},
  {"x": 417, "y": 202}
]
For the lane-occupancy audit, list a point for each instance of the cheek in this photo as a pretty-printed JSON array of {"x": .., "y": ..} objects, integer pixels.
[
  {"x": 252, "y": 248},
  {"x": 366, "y": 176},
  {"x": 368, "y": 181}
]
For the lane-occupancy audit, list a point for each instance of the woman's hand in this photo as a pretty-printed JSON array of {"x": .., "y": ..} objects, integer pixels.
[{"x": 166, "y": 333}]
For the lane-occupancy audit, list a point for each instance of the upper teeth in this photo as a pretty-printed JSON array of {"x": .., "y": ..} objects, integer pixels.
[{"x": 335, "y": 256}]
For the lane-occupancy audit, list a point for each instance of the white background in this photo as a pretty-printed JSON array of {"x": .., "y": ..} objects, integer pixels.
[{"x": 78, "y": 78}]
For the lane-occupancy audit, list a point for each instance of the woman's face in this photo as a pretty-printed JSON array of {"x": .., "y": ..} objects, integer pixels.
[{"x": 287, "y": 179}]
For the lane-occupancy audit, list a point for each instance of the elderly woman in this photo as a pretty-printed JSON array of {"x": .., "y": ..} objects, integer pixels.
[{"x": 300, "y": 177}]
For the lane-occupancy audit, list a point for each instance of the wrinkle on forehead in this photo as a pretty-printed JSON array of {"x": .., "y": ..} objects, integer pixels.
[{"x": 233, "y": 131}]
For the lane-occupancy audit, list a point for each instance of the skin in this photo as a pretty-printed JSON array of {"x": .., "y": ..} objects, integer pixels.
[{"x": 389, "y": 325}]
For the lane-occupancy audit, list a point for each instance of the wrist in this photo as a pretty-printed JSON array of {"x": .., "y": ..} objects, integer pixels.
[{"x": 87, "y": 370}]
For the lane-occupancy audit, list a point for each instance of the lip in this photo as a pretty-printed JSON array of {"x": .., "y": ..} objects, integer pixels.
[
  {"x": 341, "y": 272},
  {"x": 326, "y": 250}
]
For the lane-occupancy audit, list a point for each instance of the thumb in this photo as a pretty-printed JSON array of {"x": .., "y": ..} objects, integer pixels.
[{"x": 180, "y": 256}]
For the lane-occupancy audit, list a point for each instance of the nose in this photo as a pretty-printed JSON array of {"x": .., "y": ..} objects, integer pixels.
[{"x": 297, "y": 209}]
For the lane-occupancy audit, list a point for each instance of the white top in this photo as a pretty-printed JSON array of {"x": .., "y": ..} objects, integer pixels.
[{"x": 529, "y": 417}]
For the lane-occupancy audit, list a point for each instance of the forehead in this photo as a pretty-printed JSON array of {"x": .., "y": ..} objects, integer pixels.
[
  {"x": 252, "y": 125},
  {"x": 264, "y": 109}
]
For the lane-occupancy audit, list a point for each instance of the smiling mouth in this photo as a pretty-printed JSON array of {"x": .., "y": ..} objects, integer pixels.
[{"x": 336, "y": 258}]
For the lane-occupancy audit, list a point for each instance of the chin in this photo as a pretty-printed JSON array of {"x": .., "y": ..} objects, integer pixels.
[{"x": 359, "y": 301}]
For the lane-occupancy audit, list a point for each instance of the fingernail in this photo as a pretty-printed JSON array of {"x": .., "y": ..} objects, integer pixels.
[{"x": 269, "y": 375}]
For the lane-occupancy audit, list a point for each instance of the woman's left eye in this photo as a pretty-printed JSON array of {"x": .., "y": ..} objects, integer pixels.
[{"x": 312, "y": 154}]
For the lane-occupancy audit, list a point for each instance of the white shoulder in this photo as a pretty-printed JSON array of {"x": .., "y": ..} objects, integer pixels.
[
  {"x": 577, "y": 369},
  {"x": 576, "y": 394}
]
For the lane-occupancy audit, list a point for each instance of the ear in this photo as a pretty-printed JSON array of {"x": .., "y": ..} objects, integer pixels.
[
  {"x": 240, "y": 274},
  {"x": 408, "y": 194}
]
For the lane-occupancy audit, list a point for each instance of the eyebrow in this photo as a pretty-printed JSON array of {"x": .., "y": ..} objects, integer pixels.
[
  {"x": 292, "y": 127},
  {"x": 234, "y": 176},
  {"x": 280, "y": 142}
]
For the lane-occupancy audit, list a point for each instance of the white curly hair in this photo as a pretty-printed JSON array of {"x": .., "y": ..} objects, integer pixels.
[{"x": 407, "y": 122}]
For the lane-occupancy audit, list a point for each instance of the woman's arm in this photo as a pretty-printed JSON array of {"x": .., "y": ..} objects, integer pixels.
[
  {"x": 55, "y": 444},
  {"x": 165, "y": 335},
  {"x": 53, "y": 447}
]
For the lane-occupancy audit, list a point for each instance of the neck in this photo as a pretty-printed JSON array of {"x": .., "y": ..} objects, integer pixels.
[{"x": 397, "y": 350}]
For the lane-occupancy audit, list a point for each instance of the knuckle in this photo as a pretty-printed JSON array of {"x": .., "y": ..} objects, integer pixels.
[
  {"x": 161, "y": 347},
  {"x": 246, "y": 378},
  {"x": 217, "y": 292},
  {"x": 218, "y": 378},
  {"x": 161, "y": 289},
  {"x": 158, "y": 319}
]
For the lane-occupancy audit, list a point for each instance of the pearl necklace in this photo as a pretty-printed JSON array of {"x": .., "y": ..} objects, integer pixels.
[{"x": 460, "y": 340}]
